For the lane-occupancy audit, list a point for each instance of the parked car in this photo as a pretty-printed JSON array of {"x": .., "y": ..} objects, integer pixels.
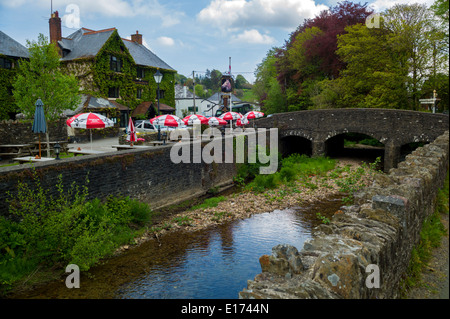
[{"x": 145, "y": 126}]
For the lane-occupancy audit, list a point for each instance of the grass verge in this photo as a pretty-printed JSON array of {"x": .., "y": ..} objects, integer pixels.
[{"x": 430, "y": 238}]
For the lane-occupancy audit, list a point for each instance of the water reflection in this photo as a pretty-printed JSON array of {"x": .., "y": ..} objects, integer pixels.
[
  {"x": 219, "y": 263},
  {"x": 211, "y": 264}
]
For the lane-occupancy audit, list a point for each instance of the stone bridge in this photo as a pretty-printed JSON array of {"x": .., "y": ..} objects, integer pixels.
[{"x": 320, "y": 132}]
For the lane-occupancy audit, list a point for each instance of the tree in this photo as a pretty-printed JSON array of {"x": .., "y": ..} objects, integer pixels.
[
  {"x": 374, "y": 76},
  {"x": 240, "y": 82},
  {"x": 419, "y": 39},
  {"x": 441, "y": 10},
  {"x": 310, "y": 52},
  {"x": 41, "y": 77},
  {"x": 265, "y": 73}
]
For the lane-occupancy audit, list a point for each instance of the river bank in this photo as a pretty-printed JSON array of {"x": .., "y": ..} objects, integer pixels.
[
  {"x": 234, "y": 206},
  {"x": 242, "y": 205}
]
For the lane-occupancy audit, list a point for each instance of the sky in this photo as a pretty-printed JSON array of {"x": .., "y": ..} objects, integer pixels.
[{"x": 189, "y": 35}]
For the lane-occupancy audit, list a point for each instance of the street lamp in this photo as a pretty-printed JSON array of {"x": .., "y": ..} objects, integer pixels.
[
  {"x": 57, "y": 148},
  {"x": 158, "y": 78}
]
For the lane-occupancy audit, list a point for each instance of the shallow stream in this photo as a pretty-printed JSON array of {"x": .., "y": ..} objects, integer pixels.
[{"x": 214, "y": 263}]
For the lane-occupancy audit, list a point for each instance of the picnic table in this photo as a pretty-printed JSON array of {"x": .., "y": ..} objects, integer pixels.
[
  {"x": 129, "y": 147},
  {"x": 15, "y": 149},
  {"x": 84, "y": 152},
  {"x": 64, "y": 147},
  {"x": 28, "y": 159}
]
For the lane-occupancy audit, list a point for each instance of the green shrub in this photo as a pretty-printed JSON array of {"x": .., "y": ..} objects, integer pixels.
[
  {"x": 66, "y": 228},
  {"x": 263, "y": 182}
]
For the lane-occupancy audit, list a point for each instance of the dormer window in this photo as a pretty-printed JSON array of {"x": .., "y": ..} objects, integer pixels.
[{"x": 115, "y": 64}]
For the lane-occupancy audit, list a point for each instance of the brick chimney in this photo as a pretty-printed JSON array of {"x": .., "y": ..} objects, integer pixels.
[
  {"x": 136, "y": 37},
  {"x": 55, "y": 28}
]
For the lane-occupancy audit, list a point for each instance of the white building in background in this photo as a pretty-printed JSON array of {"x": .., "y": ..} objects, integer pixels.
[{"x": 184, "y": 101}]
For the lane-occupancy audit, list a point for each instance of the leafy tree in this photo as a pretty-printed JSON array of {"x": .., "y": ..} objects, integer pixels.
[
  {"x": 419, "y": 39},
  {"x": 441, "y": 10},
  {"x": 180, "y": 79},
  {"x": 240, "y": 82},
  {"x": 310, "y": 52},
  {"x": 374, "y": 76},
  {"x": 41, "y": 77},
  {"x": 266, "y": 88}
]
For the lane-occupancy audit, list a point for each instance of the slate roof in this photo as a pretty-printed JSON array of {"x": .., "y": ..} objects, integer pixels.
[
  {"x": 10, "y": 47},
  {"x": 86, "y": 43},
  {"x": 182, "y": 93},
  {"x": 145, "y": 57},
  {"x": 89, "y": 103},
  {"x": 216, "y": 97}
]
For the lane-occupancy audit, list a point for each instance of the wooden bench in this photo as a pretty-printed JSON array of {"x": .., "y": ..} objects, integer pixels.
[
  {"x": 64, "y": 147},
  {"x": 16, "y": 150}
]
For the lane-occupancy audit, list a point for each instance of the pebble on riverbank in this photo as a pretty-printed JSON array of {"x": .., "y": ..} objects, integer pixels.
[{"x": 248, "y": 203}]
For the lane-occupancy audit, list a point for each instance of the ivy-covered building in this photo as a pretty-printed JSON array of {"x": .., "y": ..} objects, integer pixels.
[
  {"x": 106, "y": 65},
  {"x": 11, "y": 52},
  {"x": 114, "y": 68}
]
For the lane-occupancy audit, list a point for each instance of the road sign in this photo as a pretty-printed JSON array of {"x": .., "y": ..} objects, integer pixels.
[{"x": 428, "y": 101}]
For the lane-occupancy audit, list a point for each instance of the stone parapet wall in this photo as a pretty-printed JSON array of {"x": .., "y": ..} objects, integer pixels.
[
  {"x": 148, "y": 175},
  {"x": 16, "y": 132},
  {"x": 377, "y": 233}
]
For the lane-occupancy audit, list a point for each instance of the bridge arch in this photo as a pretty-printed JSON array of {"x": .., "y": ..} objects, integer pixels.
[
  {"x": 355, "y": 144},
  {"x": 393, "y": 128}
]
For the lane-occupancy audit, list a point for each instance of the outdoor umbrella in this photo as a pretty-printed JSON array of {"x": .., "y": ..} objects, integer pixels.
[
  {"x": 39, "y": 124},
  {"x": 254, "y": 115},
  {"x": 89, "y": 121},
  {"x": 195, "y": 119},
  {"x": 216, "y": 121},
  {"x": 167, "y": 120},
  {"x": 242, "y": 121},
  {"x": 131, "y": 132},
  {"x": 230, "y": 116}
]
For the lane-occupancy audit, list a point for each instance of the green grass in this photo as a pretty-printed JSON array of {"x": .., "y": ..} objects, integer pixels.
[
  {"x": 294, "y": 167},
  {"x": 210, "y": 202},
  {"x": 430, "y": 238}
]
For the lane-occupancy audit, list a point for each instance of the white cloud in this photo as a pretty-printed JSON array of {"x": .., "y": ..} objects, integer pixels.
[
  {"x": 108, "y": 8},
  {"x": 381, "y": 5},
  {"x": 252, "y": 13},
  {"x": 252, "y": 36},
  {"x": 166, "y": 41},
  {"x": 12, "y": 3}
]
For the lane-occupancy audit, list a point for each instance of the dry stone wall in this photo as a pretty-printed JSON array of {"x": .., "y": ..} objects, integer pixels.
[{"x": 373, "y": 237}]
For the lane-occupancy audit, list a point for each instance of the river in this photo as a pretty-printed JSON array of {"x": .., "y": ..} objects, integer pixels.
[{"x": 214, "y": 263}]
